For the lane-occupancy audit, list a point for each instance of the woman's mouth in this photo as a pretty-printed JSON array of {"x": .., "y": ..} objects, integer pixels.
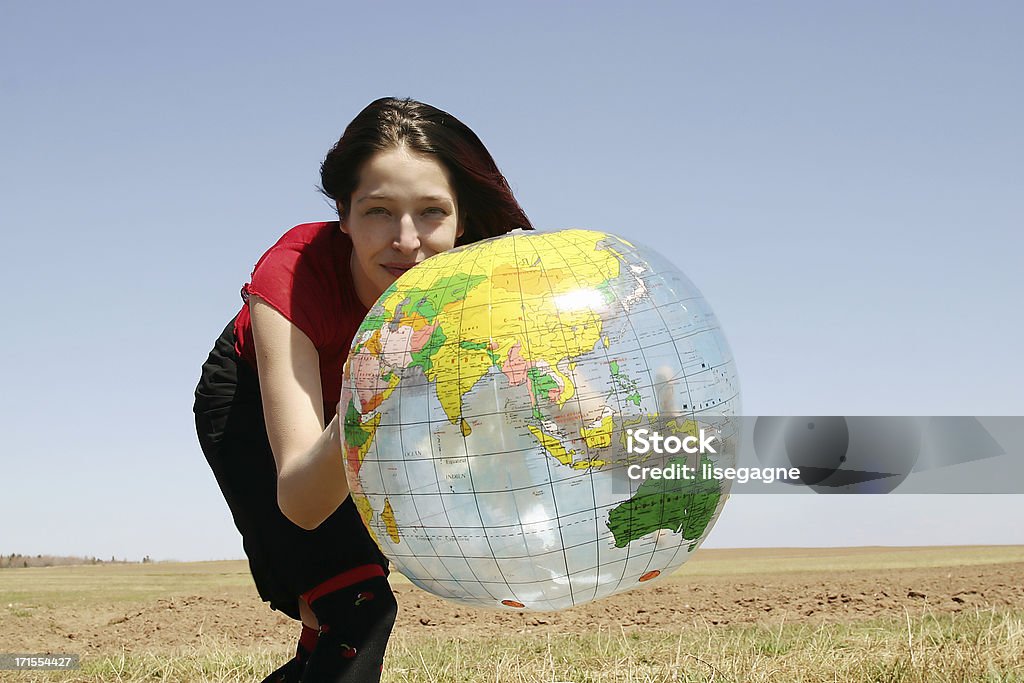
[{"x": 398, "y": 269}]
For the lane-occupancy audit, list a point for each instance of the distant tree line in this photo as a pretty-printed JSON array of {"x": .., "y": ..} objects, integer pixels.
[{"x": 17, "y": 560}]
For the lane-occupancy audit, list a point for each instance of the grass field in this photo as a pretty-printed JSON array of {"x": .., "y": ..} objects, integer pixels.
[{"x": 865, "y": 614}]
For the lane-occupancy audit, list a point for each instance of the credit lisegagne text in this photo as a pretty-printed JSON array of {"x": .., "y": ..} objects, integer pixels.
[{"x": 708, "y": 471}]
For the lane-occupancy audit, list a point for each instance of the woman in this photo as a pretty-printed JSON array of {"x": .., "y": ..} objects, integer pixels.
[{"x": 408, "y": 181}]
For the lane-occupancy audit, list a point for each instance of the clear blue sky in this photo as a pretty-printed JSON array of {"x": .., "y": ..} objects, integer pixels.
[{"x": 842, "y": 180}]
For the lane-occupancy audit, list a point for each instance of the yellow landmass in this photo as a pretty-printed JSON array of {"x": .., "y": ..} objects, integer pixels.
[
  {"x": 599, "y": 435},
  {"x": 388, "y": 517},
  {"x": 552, "y": 445},
  {"x": 569, "y": 388},
  {"x": 587, "y": 464},
  {"x": 455, "y": 371},
  {"x": 537, "y": 279}
]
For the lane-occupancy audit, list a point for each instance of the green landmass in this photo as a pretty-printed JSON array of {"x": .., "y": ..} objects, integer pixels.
[
  {"x": 679, "y": 505},
  {"x": 445, "y": 291},
  {"x": 374, "y": 321},
  {"x": 355, "y": 435},
  {"x": 541, "y": 382},
  {"x": 422, "y": 358}
]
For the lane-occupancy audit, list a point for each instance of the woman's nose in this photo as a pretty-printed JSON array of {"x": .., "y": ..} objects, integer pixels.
[{"x": 408, "y": 238}]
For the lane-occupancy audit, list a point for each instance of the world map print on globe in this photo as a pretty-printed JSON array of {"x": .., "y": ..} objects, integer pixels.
[{"x": 490, "y": 398}]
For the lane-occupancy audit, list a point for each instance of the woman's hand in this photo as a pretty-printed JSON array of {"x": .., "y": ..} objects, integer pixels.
[{"x": 311, "y": 481}]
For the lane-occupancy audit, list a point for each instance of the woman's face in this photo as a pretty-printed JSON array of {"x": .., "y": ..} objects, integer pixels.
[{"x": 403, "y": 211}]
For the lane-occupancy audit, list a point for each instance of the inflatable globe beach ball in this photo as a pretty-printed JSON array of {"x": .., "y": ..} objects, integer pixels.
[{"x": 494, "y": 399}]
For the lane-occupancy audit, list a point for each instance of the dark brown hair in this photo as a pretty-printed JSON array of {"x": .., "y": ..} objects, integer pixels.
[{"x": 486, "y": 205}]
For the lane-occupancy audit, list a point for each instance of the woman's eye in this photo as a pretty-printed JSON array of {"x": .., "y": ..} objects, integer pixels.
[
  {"x": 435, "y": 211},
  {"x": 377, "y": 211}
]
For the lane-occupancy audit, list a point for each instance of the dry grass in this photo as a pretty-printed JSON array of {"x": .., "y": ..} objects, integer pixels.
[
  {"x": 983, "y": 646},
  {"x": 104, "y": 584}
]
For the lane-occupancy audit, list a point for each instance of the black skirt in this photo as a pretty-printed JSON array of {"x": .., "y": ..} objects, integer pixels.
[{"x": 285, "y": 559}]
